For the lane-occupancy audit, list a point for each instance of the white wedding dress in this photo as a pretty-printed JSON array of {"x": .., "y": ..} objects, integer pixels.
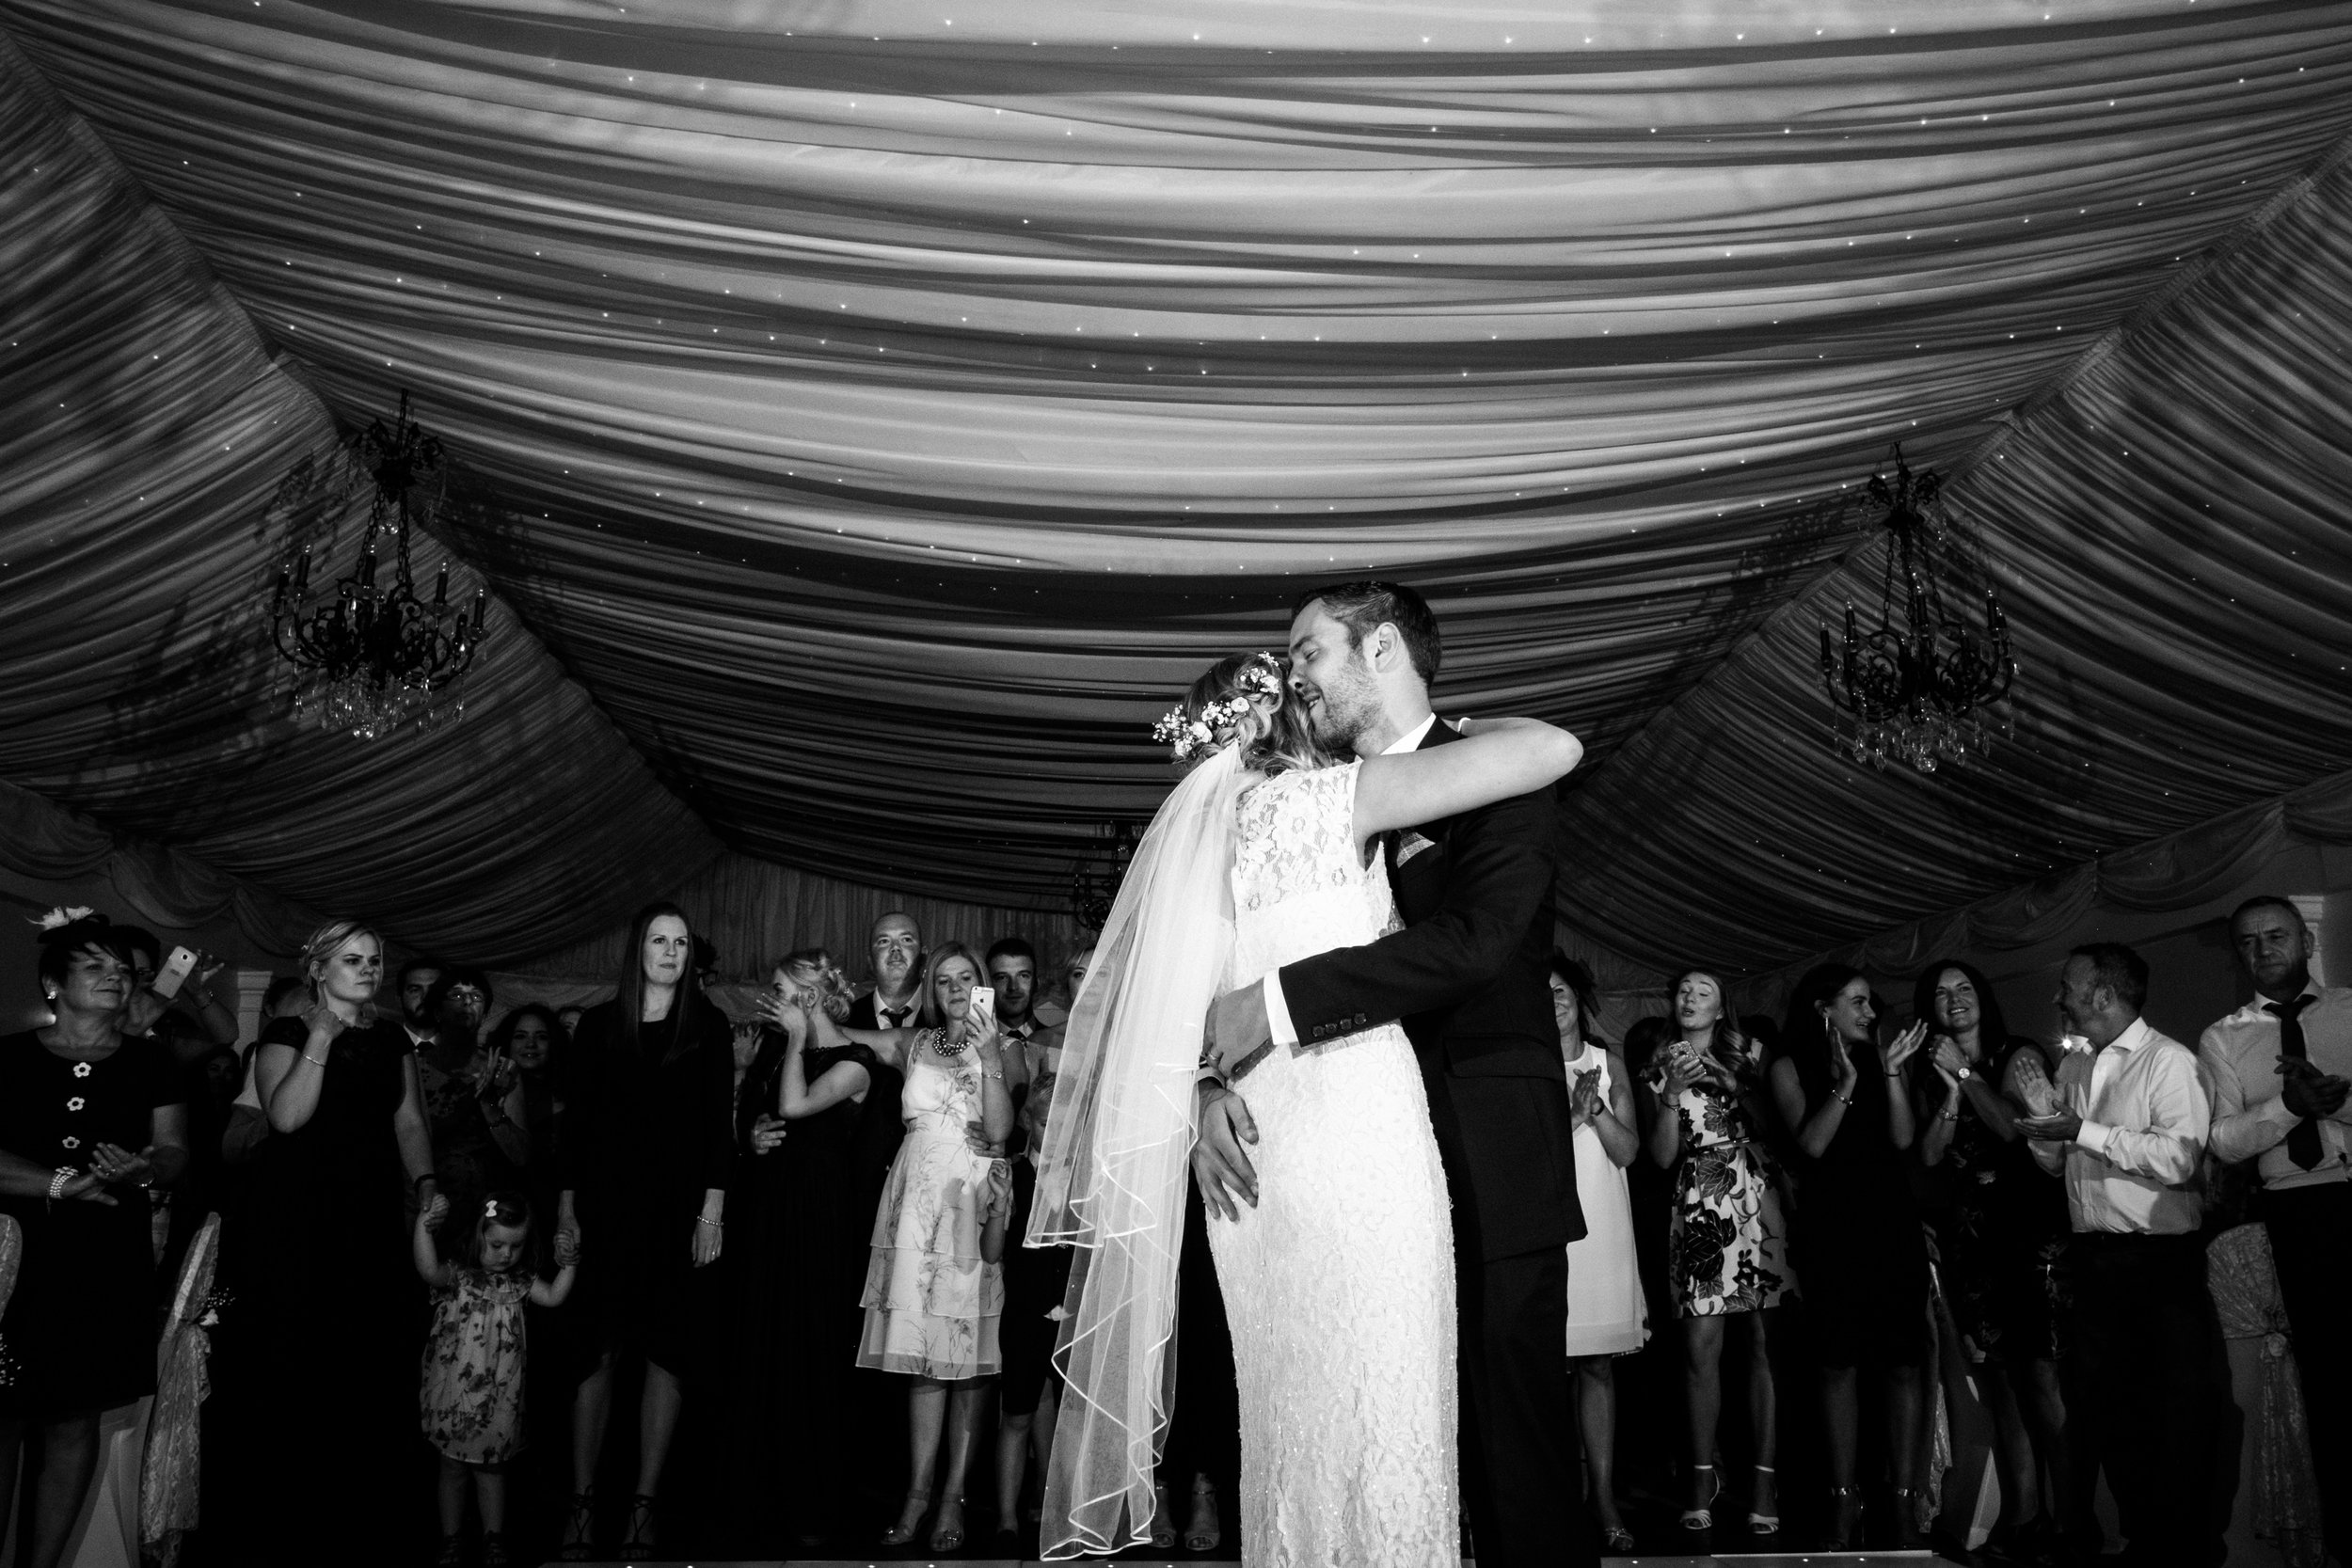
[{"x": 1339, "y": 1283}]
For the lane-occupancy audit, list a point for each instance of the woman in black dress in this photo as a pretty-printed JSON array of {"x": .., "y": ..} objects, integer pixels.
[
  {"x": 799, "y": 1318},
  {"x": 332, "y": 1322},
  {"x": 1858, "y": 1238},
  {"x": 88, "y": 1120},
  {"x": 2000, "y": 1227},
  {"x": 647, "y": 1148}
]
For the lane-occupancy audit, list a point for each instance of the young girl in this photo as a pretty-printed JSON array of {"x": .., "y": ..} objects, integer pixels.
[{"x": 472, "y": 1399}]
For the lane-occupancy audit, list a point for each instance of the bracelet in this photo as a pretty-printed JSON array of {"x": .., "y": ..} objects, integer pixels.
[
  {"x": 315, "y": 1061},
  {"x": 706, "y": 1219},
  {"x": 418, "y": 1183},
  {"x": 1843, "y": 1098},
  {"x": 998, "y": 1074},
  {"x": 56, "y": 1182},
  {"x": 1951, "y": 1114},
  {"x": 1894, "y": 1072}
]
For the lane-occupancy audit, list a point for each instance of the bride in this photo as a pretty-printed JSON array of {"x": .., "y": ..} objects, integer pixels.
[{"x": 1339, "y": 1281}]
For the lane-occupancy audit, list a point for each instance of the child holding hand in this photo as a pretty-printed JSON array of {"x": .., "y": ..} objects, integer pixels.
[{"x": 472, "y": 1397}]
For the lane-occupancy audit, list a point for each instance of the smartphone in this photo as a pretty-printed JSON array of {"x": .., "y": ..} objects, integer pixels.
[
  {"x": 174, "y": 974},
  {"x": 984, "y": 998}
]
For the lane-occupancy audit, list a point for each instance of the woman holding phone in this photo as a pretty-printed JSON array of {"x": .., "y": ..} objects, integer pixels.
[
  {"x": 934, "y": 1282},
  {"x": 1726, "y": 1243}
]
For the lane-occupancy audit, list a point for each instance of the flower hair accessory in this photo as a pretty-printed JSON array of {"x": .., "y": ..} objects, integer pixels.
[
  {"x": 64, "y": 915},
  {"x": 491, "y": 1209},
  {"x": 1187, "y": 737}
]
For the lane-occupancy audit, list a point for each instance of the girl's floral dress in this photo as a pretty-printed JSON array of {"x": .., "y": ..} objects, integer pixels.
[{"x": 472, "y": 1399}]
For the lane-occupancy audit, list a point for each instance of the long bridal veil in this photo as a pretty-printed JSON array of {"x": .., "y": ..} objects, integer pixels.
[{"x": 1112, "y": 1171}]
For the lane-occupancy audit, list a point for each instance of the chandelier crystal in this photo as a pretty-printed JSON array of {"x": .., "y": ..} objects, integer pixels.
[
  {"x": 1915, "y": 684},
  {"x": 373, "y": 656}
]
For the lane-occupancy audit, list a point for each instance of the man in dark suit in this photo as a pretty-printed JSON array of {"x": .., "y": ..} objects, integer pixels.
[{"x": 1467, "y": 978}]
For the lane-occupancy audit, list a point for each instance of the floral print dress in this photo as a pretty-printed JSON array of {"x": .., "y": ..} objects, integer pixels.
[
  {"x": 472, "y": 1399},
  {"x": 1726, "y": 1239},
  {"x": 933, "y": 1305}
]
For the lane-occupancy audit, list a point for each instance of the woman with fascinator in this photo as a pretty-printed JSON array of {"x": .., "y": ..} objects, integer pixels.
[{"x": 1339, "y": 1279}]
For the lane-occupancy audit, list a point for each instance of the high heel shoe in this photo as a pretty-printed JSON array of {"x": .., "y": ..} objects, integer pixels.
[
  {"x": 637, "y": 1546},
  {"x": 1703, "y": 1516},
  {"x": 1616, "y": 1540},
  {"x": 1206, "y": 1537},
  {"x": 946, "y": 1538},
  {"x": 579, "y": 1530},
  {"x": 1163, "y": 1519},
  {"x": 909, "y": 1519},
  {"x": 1845, "y": 1505},
  {"x": 1764, "y": 1524},
  {"x": 1907, "y": 1533}
]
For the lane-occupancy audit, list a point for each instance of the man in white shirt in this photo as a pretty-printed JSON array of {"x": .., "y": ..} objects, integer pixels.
[
  {"x": 2127, "y": 1138},
  {"x": 2280, "y": 1068},
  {"x": 895, "y": 950}
]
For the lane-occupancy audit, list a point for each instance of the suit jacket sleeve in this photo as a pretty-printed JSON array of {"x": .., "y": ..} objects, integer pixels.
[{"x": 1498, "y": 873}]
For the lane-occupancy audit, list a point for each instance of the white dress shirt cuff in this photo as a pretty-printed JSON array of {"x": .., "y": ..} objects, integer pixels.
[
  {"x": 2093, "y": 1137},
  {"x": 1278, "y": 1011}
]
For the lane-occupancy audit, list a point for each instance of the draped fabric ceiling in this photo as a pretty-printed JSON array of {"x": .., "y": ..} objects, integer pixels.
[{"x": 883, "y": 408}]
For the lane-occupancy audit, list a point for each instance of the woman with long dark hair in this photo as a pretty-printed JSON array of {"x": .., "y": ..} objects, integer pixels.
[
  {"x": 648, "y": 1145},
  {"x": 2000, "y": 1229},
  {"x": 1859, "y": 1238},
  {"x": 89, "y": 1119}
]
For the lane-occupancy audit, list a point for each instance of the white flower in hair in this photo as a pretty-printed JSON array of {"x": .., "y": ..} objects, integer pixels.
[
  {"x": 64, "y": 914},
  {"x": 1187, "y": 737}
]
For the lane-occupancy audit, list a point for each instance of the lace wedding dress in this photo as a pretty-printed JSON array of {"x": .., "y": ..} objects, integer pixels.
[{"x": 1339, "y": 1283}]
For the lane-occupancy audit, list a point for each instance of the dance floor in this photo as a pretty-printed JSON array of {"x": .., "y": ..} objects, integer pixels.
[{"x": 1736, "y": 1559}]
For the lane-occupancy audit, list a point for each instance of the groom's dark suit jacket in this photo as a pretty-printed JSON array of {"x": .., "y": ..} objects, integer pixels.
[{"x": 1468, "y": 975}]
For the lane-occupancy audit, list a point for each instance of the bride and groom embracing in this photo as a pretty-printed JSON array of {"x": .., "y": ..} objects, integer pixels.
[{"x": 1351, "y": 903}]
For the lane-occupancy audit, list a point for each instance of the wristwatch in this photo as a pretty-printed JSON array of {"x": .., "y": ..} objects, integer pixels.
[{"x": 1965, "y": 1073}]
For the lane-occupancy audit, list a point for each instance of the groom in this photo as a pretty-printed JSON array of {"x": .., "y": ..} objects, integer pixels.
[{"x": 1467, "y": 979}]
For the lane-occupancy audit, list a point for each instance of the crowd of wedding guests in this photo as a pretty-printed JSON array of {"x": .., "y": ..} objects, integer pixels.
[{"x": 737, "y": 1269}]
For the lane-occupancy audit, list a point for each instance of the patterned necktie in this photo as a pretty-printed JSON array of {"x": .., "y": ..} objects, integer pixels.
[{"x": 2303, "y": 1146}]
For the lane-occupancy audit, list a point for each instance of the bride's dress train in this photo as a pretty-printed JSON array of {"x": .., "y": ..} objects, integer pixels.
[{"x": 1339, "y": 1282}]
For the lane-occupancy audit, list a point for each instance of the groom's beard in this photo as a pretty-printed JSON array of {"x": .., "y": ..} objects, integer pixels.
[{"x": 1345, "y": 713}]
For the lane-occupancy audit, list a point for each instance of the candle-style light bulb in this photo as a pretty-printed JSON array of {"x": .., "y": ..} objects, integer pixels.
[
  {"x": 440, "y": 591},
  {"x": 285, "y": 580},
  {"x": 481, "y": 602},
  {"x": 302, "y": 573}
]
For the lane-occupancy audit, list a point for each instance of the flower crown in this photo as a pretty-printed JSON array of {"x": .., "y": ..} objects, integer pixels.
[
  {"x": 1187, "y": 737},
  {"x": 64, "y": 915}
]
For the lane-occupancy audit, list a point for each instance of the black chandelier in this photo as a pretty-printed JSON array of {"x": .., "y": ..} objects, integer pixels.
[
  {"x": 1915, "y": 686},
  {"x": 1095, "y": 876},
  {"x": 373, "y": 656}
]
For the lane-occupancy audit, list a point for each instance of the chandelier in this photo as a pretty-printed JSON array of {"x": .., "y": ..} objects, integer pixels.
[
  {"x": 1095, "y": 876},
  {"x": 1914, "y": 683},
  {"x": 373, "y": 656}
]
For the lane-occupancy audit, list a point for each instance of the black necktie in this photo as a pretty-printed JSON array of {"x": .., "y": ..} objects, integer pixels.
[
  {"x": 2303, "y": 1146},
  {"x": 895, "y": 1017}
]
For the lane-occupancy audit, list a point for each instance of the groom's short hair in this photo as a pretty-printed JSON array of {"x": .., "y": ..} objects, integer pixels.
[{"x": 1363, "y": 606}]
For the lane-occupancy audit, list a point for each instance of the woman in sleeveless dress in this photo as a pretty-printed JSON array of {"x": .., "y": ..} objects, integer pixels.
[
  {"x": 1608, "y": 1316},
  {"x": 936, "y": 1282},
  {"x": 1339, "y": 1281}
]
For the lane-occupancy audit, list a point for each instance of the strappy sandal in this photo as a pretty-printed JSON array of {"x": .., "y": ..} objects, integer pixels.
[
  {"x": 638, "y": 1544},
  {"x": 1703, "y": 1516},
  {"x": 495, "y": 1552},
  {"x": 1198, "y": 1536},
  {"x": 581, "y": 1528},
  {"x": 1616, "y": 1540},
  {"x": 1765, "y": 1523},
  {"x": 917, "y": 1504},
  {"x": 452, "y": 1552},
  {"x": 943, "y": 1538}
]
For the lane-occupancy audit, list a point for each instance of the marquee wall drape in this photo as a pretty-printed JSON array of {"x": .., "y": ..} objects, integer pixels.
[{"x": 890, "y": 406}]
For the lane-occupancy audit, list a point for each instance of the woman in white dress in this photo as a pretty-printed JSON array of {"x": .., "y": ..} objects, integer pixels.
[
  {"x": 1607, "y": 1314},
  {"x": 1339, "y": 1283}
]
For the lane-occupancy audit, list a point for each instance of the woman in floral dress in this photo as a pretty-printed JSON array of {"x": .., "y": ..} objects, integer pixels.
[
  {"x": 1726, "y": 1243},
  {"x": 934, "y": 1285}
]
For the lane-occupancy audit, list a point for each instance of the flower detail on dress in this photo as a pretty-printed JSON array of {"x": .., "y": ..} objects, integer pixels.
[
  {"x": 69, "y": 1142},
  {"x": 81, "y": 1069},
  {"x": 75, "y": 1103}
]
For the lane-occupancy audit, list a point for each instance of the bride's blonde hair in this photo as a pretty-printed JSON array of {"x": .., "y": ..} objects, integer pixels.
[{"x": 1285, "y": 743}]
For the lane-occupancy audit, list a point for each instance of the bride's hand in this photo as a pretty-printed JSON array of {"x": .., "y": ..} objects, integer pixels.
[{"x": 1226, "y": 1178}]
